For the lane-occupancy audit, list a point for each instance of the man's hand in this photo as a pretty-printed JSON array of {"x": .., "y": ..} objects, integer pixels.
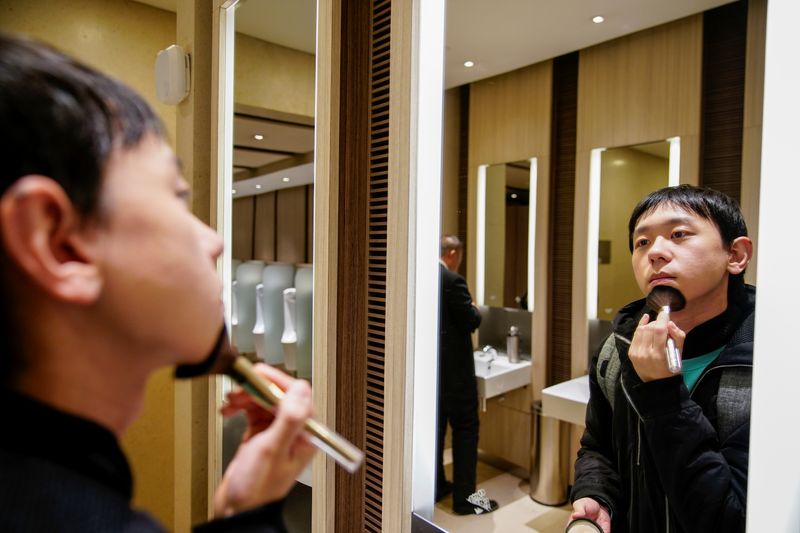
[
  {"x": 591, "y": 509},
  {"x": 274, "y": 449},
  {"x": 648, "y": 351}
]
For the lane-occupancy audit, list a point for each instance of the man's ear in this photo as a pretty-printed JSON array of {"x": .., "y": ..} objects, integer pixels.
[
  {"x": 739, "y": 255},
  {"x": 42, "y": 235}
]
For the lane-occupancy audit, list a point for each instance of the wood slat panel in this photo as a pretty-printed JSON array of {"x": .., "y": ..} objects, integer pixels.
[
  {"x": 565, "y": 117},
  {"x": 724, "y": 49}
]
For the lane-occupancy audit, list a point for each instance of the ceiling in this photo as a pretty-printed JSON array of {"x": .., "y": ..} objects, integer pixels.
[{"x": 499, "y": 35}]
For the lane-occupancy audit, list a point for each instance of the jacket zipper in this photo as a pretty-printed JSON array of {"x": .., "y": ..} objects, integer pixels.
[
  {"x": 710, "y": 370},
  {"x": 666, "y": 511}
]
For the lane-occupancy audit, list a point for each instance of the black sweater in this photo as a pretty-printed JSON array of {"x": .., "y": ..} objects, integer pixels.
[{"x": 63, "y": 473}]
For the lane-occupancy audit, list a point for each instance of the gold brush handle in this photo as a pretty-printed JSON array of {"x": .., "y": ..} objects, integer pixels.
[{"x": 268, "y": 395}]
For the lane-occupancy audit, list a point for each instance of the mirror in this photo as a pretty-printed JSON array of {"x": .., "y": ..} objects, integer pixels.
[
  {"x": 267, "y": 89},
  {"x": 506, "y": 234},
  {"x": 627, "y": 174}
]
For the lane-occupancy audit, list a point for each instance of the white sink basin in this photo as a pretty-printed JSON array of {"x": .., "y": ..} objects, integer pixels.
[{"x": 500, "y": 376}]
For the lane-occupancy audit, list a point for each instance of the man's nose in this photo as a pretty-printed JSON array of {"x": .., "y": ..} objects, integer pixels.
[
  {"x": 211, "y": 241},
  {"x": 659, "y": 251}
]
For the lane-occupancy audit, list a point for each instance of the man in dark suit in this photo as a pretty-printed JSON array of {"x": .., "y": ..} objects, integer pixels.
[{"x": 458, "y": 388}]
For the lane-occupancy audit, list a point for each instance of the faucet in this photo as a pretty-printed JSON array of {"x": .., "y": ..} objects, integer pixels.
[{"x": 492, "y": 353}]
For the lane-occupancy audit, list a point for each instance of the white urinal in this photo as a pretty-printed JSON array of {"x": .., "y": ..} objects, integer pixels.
[
  {"x": 258, "y": 328},
  {"x": 289, "y": 337}
]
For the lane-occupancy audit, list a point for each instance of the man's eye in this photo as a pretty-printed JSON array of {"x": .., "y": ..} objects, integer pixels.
[
  {"x": 640, "y": 242},
  {"x": 184, "y": 195},
  {"x": 679, "y": 234}
]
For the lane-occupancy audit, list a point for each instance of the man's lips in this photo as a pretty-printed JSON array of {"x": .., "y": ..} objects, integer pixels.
[{"x": 661, "y": 279}]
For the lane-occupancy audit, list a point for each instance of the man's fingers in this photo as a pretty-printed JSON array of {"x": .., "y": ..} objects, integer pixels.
[{"x": 290, "y": 417}]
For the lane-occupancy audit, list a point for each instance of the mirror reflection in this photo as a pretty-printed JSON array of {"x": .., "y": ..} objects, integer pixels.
[
  {"x": 273, "y": 201},
  {"x": 627, "y": 174},
  {"x": 507, "y": 240}
]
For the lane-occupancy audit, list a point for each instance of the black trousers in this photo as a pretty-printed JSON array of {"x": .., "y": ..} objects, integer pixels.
[{"x": 458, "y": 407}]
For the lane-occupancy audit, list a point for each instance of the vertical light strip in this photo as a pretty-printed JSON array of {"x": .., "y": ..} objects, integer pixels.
[
  {"x": 533, "y": 189},
  {"x": 225, "y": 150},
  {"x": 424, "y": 225},
  {"x": 674, "y": 161},
  {"x": 480, "y": 245},
  {"x": 593, "y": 232}
]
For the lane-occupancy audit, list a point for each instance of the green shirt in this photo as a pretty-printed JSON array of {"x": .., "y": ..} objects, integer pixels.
[{"x": 692, "y": 368}]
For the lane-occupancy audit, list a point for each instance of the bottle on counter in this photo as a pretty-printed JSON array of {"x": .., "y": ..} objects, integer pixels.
[{"x": 512, "y": 344}]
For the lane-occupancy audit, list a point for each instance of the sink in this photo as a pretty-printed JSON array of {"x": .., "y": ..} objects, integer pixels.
[{"x": 500, "y": 376}]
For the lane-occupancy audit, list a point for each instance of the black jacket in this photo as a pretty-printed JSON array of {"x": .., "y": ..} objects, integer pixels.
[
  {"x": 458, "y": 318},
  {"x": 656, "y": 459}
]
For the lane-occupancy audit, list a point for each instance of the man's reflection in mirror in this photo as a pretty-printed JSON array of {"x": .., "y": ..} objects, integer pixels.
[
  {"x": 458, "y": 387},
  {"x": 664, "y": 451}
]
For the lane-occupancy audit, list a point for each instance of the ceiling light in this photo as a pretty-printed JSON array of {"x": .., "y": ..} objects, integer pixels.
[
  {"x": 513, "y": 195},
  {"x": 598, "y": 19},
  {"x": 258, "y": 186},
  {"x": 234, "y": 191},
  {"x": 258, "y": 137},
  {"x": 469, "y": 64},
  {"x": 286, "y": 180}
]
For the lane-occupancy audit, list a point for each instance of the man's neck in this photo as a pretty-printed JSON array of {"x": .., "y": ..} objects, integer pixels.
[
  {"x": 80, "y": 372},
  {"x": 701, "y": 309}
]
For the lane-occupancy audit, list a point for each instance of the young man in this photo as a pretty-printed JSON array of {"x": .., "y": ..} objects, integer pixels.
[
  {"x": 105, "y": 277},
  {"x": 664, "y": 452}
]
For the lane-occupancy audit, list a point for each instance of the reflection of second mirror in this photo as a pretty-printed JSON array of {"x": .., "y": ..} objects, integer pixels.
[
  {"x": 508, "y": 223},
  {"x": 627, "y": 174}
]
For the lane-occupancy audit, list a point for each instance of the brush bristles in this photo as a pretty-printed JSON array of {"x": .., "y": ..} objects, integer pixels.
[{"x": 661, "y": 297}]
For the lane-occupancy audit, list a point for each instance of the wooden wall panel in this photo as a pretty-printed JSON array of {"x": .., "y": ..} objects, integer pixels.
[
  {"x": 290, "y": 206},
  {"x": 751, "y": 138},
  {"x": 243, "y": 215},
  {"x": 509, "y": 120},
  {"x": 264, "y": 227},
  {"x": 635, "y": 89}
]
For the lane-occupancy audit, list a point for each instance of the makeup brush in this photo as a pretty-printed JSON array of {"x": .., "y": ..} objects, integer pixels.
[
  {"x": 664, "y": 299},
  {"x": 225, "y": 359}
]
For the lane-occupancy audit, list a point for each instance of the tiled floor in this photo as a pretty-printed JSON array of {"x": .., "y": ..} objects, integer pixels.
[{"x": 517, "y": 512}]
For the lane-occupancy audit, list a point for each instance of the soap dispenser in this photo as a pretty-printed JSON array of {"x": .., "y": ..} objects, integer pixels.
[{"x": 512, "y": 344}]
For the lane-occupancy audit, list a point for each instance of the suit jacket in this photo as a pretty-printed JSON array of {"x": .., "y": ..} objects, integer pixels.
[{"x": 458, "y": 318}]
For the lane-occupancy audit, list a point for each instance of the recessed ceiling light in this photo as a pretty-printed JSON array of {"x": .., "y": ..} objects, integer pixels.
[
  {"x": 258, "y": 186},
  {"x": 234, "y": 191},
  {"x": 513, "y": 195},
  {"x": 258, "y": 137},
  {"x": 598, "y": 19},
  {"x": 286, "y": 180},
  {"x": 469, "y": 64}
]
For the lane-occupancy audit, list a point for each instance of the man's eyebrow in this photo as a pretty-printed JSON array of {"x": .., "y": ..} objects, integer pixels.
[{"x": 670, "y": 222}]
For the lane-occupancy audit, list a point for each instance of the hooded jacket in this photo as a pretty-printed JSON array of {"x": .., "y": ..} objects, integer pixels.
[{"x": 658, "y": 459}]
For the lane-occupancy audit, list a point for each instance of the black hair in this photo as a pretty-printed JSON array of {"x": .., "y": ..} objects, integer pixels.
[
  {"x": 60, "y": 119},
  {"x": 704, "y": 202}
]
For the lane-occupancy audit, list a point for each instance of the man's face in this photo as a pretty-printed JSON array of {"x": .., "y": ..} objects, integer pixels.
[
  {"x": 160, "y": 294},
  {"x": 680, "y": 249}
]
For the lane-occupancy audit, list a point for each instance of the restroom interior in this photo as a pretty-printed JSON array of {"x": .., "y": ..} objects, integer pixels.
[{"x": 633, "y": 90}]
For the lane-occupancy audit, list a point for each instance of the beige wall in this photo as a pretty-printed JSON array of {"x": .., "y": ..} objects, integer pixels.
[
  {"x": 273, "y": 77},
  {"x": 120, "y": 38},
  {"x": 626, "y": 176}
]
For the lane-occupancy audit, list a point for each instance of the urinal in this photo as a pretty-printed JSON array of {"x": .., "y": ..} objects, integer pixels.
[
  {"x": 258, "y": 328},
  {"x": 289, "y": 337}
]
